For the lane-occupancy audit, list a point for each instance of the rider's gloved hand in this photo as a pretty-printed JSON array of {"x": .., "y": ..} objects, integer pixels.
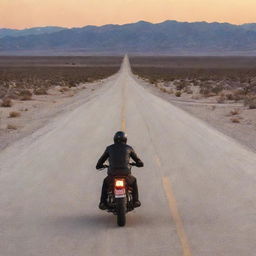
[
  {"x": 139, "y": 164},
  {"x": 101, "y": 166}
]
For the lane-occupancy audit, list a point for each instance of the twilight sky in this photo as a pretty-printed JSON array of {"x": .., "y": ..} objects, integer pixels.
[{"x": 77, "y": 13}]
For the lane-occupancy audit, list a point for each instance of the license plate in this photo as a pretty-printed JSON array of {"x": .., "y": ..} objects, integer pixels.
[{"x": 119, "y": 193}]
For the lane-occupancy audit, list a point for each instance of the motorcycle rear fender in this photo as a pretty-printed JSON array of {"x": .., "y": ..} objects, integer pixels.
[{"x": 120, "y": 193}]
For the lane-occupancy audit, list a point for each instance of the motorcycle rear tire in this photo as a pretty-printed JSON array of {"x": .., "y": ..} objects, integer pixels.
[{"x": 121, "y": 211}]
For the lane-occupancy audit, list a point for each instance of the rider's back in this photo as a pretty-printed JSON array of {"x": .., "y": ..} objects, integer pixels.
[{"x": 119, "y": 156}]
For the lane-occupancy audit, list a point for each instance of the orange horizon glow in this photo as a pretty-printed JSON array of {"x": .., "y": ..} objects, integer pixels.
[{"x": 20, "y": 14}]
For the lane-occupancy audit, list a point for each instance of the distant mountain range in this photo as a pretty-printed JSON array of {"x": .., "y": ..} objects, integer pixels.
[
  {"x": 29, "y": 31},
  {"x": 169, "y": 37}
]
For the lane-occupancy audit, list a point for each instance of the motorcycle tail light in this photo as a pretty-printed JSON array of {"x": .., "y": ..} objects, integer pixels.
[{"x": 119, "y": 183}]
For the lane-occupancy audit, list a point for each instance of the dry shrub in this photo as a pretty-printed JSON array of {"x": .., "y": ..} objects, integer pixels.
[
  {"x": 6, "y": 103},
  {"x": 196, "y": 97},
  {"x": 72, "y": 84},
  {"x": 213, "y": 107},
  {"x": 221, "y": 99},
  {"x": 250, "y": 102},
  {"x": 234, "y": 112},
  {"x": 229, "y": 96},
  {"x": 11, "y": 127},
  {"x": 14, "y": 114},
  {"x": 153, "y": 81},
  {"x": 25, "y": 95},
  {"x": 181, "y": 85},
  {"x": 209, "y": 89},
  {"x": 188, "y": 90},
  {"x": 163, "y": 89},
  {"x": 205, "y": 91},
  {"x": 40, "y": 91},
  {"x": 13, "y": 94},
  {"x": 210, "y": 94},
  {"x": 238, "y": 95},
  {"x": 64, "y": 89},
  {"x": 235, "y": 120},
  {"x": 217, "y": 89},
  {"x": 178, "y": 93}
]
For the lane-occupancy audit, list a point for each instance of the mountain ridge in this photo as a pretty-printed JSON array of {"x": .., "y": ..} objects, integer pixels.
[
  {"x": 28, "y": 31},
  {"x": 168, "y": 37}
]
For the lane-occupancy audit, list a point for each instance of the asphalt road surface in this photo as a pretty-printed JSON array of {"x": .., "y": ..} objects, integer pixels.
[{"x": 198, "y": 186}]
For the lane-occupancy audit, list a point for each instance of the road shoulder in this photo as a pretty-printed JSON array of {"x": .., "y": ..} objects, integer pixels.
[{"x": 241, "y": 126}]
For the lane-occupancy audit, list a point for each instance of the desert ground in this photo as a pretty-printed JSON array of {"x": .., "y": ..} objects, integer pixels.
[
  {"x": 33, "y": 90},
  {"x": 219, "y": 90}
]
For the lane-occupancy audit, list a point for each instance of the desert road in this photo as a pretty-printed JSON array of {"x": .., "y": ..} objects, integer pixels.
[{"x": 198, "y": 186}]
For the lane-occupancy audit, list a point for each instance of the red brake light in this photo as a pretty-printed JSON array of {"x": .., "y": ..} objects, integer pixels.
[{"x": 119, "y": 183}]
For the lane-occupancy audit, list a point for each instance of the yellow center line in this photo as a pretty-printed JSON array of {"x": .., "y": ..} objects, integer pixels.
[
  {"x": 123, "y": 120},
  {"x": 158, "y": 161},
  {"x": 176, "y": 217},
  {"x": 175, "y": 212},
  {"x": 168, "y": 190}
]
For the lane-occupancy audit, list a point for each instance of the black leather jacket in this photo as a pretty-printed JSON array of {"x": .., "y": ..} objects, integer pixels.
[{"x": 119, "y": 155}]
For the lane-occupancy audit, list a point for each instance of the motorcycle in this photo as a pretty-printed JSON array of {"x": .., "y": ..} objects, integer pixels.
[{"x": 120, "y": 199}]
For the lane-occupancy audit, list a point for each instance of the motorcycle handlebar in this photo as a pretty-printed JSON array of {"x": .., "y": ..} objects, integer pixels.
[{"x": 106, "y": 166}]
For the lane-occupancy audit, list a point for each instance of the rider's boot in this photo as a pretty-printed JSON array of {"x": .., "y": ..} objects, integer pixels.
[
  {"x": 137, "y": 204},
  {"x": 103, "y": 206},
  {"x": 135, "y": 195}
]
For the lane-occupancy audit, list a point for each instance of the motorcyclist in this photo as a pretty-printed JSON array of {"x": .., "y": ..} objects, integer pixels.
[{"x": 118, "y": 155}]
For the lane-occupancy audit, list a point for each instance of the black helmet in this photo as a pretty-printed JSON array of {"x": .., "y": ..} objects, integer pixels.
[{"x": 120, "y": 137}]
